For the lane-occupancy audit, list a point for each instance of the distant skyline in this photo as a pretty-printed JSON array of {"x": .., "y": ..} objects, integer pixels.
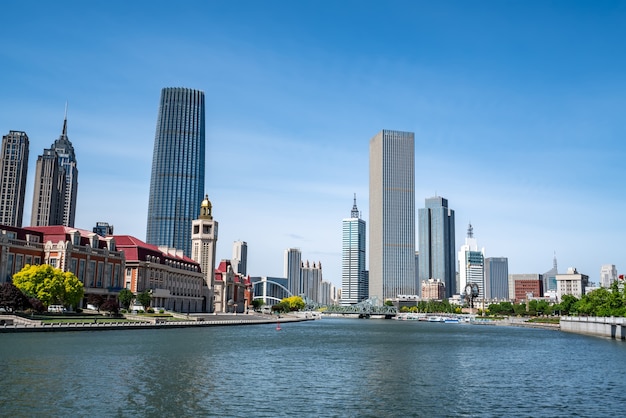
[{"x": 517, "y": 110}]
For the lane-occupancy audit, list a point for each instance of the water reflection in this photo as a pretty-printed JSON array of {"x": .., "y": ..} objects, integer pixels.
[{"x": 322, "y": 368}]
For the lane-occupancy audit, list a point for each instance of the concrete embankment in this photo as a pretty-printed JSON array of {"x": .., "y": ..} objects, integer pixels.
[
  {"x": 516, "y": 322},
  {"x": 609, "y": 327},
  {"x": 12, "y": 323}
]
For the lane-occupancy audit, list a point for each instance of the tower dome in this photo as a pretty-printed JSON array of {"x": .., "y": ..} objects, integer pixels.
[{"x": 206, "y": 208}]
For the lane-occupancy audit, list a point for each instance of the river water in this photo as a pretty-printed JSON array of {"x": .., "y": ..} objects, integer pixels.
[{"x": 323, "y": 368}]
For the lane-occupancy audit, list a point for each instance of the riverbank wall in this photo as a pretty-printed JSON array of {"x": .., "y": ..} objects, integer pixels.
[
  {"x": 11, "y": 323},
  {"x": 609, "y": 327}
]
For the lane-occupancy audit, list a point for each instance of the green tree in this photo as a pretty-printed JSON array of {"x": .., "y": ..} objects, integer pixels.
[
  {"x": 50, "y": 285},
  {"x": 126, "y": 298},
  {"x": 294, "y": 303},
  {"x": 567, "y": 304},
  {"x": 257, "y": 303},
  {"x": 144, "y": 299}
]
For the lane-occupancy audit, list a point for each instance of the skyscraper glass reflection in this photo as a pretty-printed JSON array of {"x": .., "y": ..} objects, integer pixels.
[
  {"x": 177, "y": 180},
  {"x": 437, "y": 258}
]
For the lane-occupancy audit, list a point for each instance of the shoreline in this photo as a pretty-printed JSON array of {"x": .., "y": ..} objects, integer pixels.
[{"x": 206, "y": 320}]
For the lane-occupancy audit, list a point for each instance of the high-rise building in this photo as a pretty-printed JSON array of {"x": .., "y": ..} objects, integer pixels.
[
  {"x": 240, "y": 257},
  {"x": 177, "y": 179},
  {"x": 437, "y": 243},
  {"x": 608, "y": 274},
  {"x": 49, "y": 191},
  {"x": 472, "y": 264},
  {"x": 496, "y": 278},
  {"x": 311, "y": 274},
  {"x": 13, "y": 171},
  {"x": 292, "y": 270},
  {"x": 392, "y": 215},
  {"x": 67, "y": 161},
  {"x": 353, "y": 286},
  {"x": 56, "y": 184}
]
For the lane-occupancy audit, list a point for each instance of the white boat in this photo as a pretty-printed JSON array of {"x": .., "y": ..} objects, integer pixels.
[
  {"x": 451, "y": 320},
  {"x": 435, "y": 319}
]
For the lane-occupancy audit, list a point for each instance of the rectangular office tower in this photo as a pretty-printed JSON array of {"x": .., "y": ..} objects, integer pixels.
[
  {"x": 392, "y": 215},
  {"x": 353, "y": 273},
  {"x": 13, "y": 170},
  {"x": 437, "y": 254},
  {"x": 177, "y": 180},
  {"x": 496, "y": 278}
]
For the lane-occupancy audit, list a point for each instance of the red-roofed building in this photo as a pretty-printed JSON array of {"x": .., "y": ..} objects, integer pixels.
[
  {"x": 95, "y": 260},
  {"x": 176, "y": 281},
  {"x": 18, "y": 247},
  {"x": 232, "y": 291}
]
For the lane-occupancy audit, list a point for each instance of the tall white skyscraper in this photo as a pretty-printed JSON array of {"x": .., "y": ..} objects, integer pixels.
[
  {"x": 240, "y": 257},
  {"x": 353, "y": 275},
  {"x": 472, "y": 264},
  {"x": 608, "y": 274},
  {"x": 392, "y": 215},
  {"x": 293, "y": 261}
]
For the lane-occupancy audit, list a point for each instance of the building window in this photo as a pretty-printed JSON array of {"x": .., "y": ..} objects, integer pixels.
[{"x": 100, "y": 273}]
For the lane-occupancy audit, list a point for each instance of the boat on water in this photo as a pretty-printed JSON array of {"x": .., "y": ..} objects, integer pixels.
[
  {"x": 435, "y": 319},
  {"x": 451, "y": 320}
]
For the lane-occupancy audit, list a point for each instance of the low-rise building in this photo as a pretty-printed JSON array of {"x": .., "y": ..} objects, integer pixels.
[
  {"x": 522, "y": 287},
  {"x": 433, "y": 289},
  {"x": 174, "y": 280},
  {"x": 94, "y": 260},
  {"x": 232, "y": 292},
  {"x": 571, "y": 283}
]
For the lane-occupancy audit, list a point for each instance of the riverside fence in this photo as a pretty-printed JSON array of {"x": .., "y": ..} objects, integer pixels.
[{"x": 611, "y": 327}]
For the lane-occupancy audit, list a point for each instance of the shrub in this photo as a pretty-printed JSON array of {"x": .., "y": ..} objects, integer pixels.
[{"x": 161, "y": 311}]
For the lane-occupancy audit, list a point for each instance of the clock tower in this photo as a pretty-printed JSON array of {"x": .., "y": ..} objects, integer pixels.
[{"x": 203, "y": 243}]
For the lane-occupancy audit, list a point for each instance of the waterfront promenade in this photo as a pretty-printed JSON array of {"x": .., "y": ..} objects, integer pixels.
[{"x": 13, "y": 323}]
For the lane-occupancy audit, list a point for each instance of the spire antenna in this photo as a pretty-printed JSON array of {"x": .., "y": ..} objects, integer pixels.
[
  {"x": 355, "y": 211},
  {"x": 64, "y": 133}
]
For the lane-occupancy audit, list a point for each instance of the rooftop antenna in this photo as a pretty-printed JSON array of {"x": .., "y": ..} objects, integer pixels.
[
  {"x": 64, "y": 133},
  {"x": 355, "y": 211}
]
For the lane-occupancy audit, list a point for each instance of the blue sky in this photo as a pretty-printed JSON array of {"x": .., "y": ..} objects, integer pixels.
[{"x": 517, "y": 109}]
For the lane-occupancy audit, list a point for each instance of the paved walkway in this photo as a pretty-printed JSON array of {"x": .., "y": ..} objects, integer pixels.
[{"x": 14, "y": 323}]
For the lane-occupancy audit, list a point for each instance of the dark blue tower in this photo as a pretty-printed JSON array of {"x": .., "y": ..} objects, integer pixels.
[{"x": 177, "y": 180}]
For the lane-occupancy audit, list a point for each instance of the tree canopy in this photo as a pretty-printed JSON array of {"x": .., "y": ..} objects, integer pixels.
[
  {"x": 12, "y": 298},
  {"x": 50, "y": 285},
  {"x": 125, "y": 297},
  {"x": 144, "y": 298}
]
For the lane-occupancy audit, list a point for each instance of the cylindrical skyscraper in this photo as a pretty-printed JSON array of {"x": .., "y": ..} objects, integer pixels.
[{"x": 177, "y": 180}]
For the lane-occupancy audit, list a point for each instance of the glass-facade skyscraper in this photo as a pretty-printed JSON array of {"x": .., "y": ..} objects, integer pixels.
[
  {"x": 496, "y": 278},
  {"x": 392, "y": 215},
  {"x": 13, "y": 170},
  {"x": 437, "y": 255},
  {"x": 353, "y": 274},
  {"x": 177, "y": 179}
]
